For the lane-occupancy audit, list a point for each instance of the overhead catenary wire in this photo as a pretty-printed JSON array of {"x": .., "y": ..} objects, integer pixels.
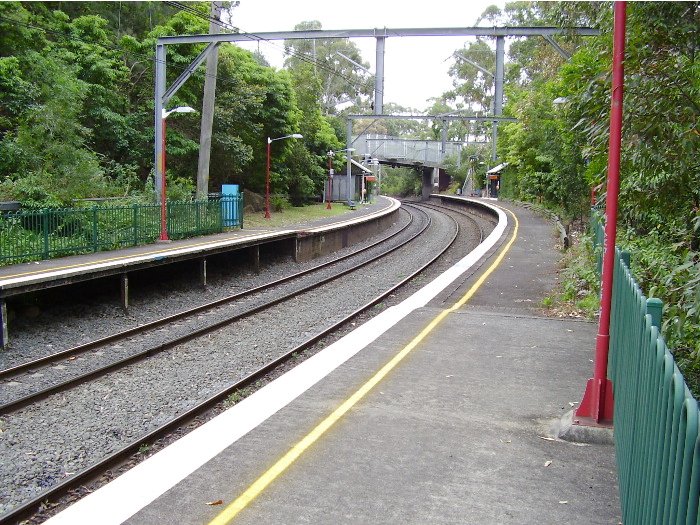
[{"x": 258, "y": 38}]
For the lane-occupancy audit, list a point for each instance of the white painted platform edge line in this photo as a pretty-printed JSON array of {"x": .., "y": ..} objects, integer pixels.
[
  {"x": 394, "y": 205},
  {"x": 117, "y": 501}
]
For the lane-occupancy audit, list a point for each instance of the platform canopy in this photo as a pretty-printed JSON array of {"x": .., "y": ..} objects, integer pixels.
[{"x": 497, "y": 169}]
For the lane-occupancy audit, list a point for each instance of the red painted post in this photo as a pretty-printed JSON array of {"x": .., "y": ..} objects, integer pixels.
[
  {"x": 163, "y": 198},
  {"x": 330, "y": 181},
  {"x": 267, "y": 181},
  {"x": 596, "y": 408}
]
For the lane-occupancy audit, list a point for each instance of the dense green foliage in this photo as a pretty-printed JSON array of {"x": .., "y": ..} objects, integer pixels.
[
  {"x": 401, "y": 182},
  {"x": 76, "y": 107},
  {"x": 558, "y": 152}
]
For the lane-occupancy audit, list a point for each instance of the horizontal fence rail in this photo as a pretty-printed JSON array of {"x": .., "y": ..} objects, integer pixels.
[
  {"x": 31, "y": 235},
  {"x": 657, "y": 430}
]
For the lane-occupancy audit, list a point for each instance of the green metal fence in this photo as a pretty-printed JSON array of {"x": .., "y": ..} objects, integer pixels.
[
  {"x": 657, "y": 437},
  {"x": 31, "y": 235}
]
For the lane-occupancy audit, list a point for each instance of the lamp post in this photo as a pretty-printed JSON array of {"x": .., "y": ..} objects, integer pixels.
[
  {"x": 375, "y": 163},
  {"x": 329, "y": 192},
  {"x": 267, "y": 171},
  {"x": 163, "y": 202},
  {"x": 367, "y": 161}
]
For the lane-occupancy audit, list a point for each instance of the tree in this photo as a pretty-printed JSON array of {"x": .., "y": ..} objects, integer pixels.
[
  {"x": 76, "y": 112},
  {"x": 472, "y": 85}
]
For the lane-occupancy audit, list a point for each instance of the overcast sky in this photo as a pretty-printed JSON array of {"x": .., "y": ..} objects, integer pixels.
[{"x": 414, "y": 68}]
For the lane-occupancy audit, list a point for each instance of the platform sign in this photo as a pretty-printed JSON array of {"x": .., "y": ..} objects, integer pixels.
[{"x": 229, "y": 204}]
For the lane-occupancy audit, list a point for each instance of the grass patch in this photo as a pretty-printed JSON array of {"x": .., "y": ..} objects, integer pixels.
[
  {"x": 294, "y": 215},
  {"x": 577, "y": 294},
  {"x": 237, "y": 396}
]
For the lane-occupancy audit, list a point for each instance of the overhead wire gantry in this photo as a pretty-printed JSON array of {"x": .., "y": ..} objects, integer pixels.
[{"x": 163, "y": 94}]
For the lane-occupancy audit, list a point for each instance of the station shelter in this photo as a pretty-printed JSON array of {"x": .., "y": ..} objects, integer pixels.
[{"x": 493, "y": 180}]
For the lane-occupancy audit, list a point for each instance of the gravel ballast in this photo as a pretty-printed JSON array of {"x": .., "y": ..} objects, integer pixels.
[{"x": 44, "y": 443}]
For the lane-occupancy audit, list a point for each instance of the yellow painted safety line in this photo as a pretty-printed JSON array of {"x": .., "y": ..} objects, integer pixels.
[
  {"x": 297, "y": 450},
  {"x": 112, "y": 259}
]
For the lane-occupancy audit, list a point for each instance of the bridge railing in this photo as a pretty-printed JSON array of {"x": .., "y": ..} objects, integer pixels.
[
  {"x": 30, "y": 235},
  {"x": 657, "y": 439}
]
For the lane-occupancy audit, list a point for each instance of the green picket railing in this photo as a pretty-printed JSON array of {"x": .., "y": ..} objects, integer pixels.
[
  {"x": 657, "y": 434},
  {"x": 31, "y": 235}
]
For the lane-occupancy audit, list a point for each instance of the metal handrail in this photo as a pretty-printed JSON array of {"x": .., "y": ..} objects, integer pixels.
[
  {"x": 31, "y": 235},
  {"x": 657, "y": 434}
]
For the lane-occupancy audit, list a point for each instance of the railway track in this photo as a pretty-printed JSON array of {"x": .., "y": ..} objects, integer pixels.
[
  {"x": 41, "y": 365},
  {"x": 118, "y": 456},
  {"x": 479, "y": 228}
]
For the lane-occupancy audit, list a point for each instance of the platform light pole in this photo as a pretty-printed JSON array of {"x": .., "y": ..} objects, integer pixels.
[
  {"x": 267, "y": 171},
  {"x": 329, "y": 192},
  {"x": 163, "y": 200},
  {"x": 375, "y": 163},
  {"x": 597, "y": 405}
]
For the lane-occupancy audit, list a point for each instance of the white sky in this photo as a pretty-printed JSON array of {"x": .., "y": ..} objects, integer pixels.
[{"x": 414, "y": 68}]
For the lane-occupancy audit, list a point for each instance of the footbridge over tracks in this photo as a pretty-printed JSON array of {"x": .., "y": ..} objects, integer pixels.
[
  {"x": 428, "y": 156},
  {"x": 406, "y": 152}
]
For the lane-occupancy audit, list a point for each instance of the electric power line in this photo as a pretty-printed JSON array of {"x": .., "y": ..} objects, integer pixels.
[{"x": 255, "y": 37}]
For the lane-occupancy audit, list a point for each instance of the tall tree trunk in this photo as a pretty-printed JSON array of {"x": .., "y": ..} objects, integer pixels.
[{"x": 208, "y": 110}]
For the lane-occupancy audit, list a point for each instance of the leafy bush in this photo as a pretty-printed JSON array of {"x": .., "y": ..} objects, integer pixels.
[
  {"x": 671, "y": 273},
  {"x": 401, "y": 182},
  {"x": 279, "y": 203},
  {"x": 579, "y": 288},
  {"x": 180, "y": 189}
]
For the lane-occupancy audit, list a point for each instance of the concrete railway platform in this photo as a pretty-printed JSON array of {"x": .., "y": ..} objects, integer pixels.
[{"x": 436, "y": 411}]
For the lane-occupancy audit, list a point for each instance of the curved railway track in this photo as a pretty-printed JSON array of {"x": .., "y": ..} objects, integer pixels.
[
  {"x": 456, "y": 211},
  {"x": 119, "y": 456},
  {"x": 36, "y": 366}
]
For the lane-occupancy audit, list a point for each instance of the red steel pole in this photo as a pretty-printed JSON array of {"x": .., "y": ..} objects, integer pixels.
[
  {"x": 267, "y": 181},
  {"x": 597, "y": 404},
  {"x": 163, "y": 201}
]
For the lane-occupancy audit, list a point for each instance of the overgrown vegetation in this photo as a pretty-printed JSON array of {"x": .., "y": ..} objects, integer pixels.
[
  {"x": 76, "y": 107},
  {"x": 401, "y": 182},
  {"x": 577, "y": 294},
  {"x": 558, "y": 152}
]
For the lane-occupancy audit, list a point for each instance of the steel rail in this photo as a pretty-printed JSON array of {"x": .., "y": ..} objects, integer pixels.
[
  {"x": 123, "y": 454},
  {"x": 21, "y": 402},
  {"x": 466, "y": 215},
  {"x": 77, "y": 350}
]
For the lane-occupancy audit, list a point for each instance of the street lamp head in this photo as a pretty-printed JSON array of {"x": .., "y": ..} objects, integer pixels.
[
  {"x": 292, "y": 136},
  {"x": 331, "y": 153},
  {"x": 179, "y": 109}
]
